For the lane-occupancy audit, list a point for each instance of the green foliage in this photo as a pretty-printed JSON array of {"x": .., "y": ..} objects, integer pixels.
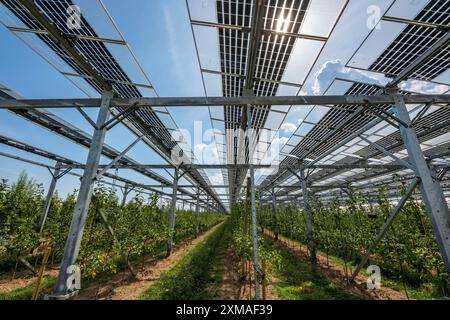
[
  {"x": 19, "y": 212},
  {"x": 140, "y": 227},
  {"x": 408, "y": 252},
  {"x": 191, "y": 278},
  {"x": 243, "y": 241},
  {"x": 298, "y": 280}
]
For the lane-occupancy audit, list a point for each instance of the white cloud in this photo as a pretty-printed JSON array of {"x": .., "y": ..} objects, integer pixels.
[
  {"x": 423, "y": 87},
  {"x": 199, "y": 148},
  {"x": 280, "y": 142},
  {"x": 172, "y": 36},
  {"x": 288, "y": 127},
  {"x": 336, "y": 69},
  {"x": 216, "y": 179},
  {"x": 206, "y": 153}
]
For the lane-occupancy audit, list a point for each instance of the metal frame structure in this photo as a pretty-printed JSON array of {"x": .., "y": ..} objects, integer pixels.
[{"x": 254, "y": 56}]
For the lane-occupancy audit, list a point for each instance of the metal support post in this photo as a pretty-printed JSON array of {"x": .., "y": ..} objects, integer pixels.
[
  {"x": 308, "y": 219},
  {"x": 255, "y": 235},
  {"x": 48, "y": 199},
  {"x": 65, "y": 283},
  {"x": 197, "y": 205},
  {"x": 274, "y": 201},
  {"x": 126, "y": 191},
  {"x": 173, "y": 212},
  {"x": 253, "y": 210},
  {"x": 247, "y": 198},
  {"x": 430, "y": 186}
]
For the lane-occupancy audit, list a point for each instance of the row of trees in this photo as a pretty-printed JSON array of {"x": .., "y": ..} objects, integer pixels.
[
  {"x": 140, "y": 227},
  {"x": 242, "y": 242},
  {"x": 408, "y": 251}
]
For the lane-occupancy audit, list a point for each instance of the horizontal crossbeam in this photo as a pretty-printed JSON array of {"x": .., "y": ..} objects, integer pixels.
[{"x": 362, "y": 100}]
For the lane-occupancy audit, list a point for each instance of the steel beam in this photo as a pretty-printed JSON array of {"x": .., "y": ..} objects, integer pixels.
[
  {"x": 173, "y": 212},
  {"x": 406, "y": 164},
  {"x": 72, "y": 247},
  {"x": 308, "y": 218},
  {"x": 255, "y": 235},
  {"x": 244, "y": 29},
  {"x": 241, "y": 76},
  {"x": 357, "y": 165},
  {"x": 329, "y": 100},
  {"x": 70, "y": 36},
  {"x": 416, "y": 23},
  {"x": 48, "y": 199},
  {"x": 430, "y": 187}
]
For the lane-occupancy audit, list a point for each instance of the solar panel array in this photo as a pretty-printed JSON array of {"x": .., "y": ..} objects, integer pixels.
[
  {"x": 315, "y": 145},
  {"x": 433, "y": 125},
  {"x": 146, "y": 121},
  {"x": 280, "y": 26},
  {"x": 414, "y": 40},
  {"x": 273, "y": 53}
]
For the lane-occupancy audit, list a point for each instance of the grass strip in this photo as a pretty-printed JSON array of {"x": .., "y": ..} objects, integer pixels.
[
  {"x": 426, "y": 291},
  {"x": 298, "y": 280},
  {"x": 26, "y": 293},
  {"x": 194, "y": 277}
]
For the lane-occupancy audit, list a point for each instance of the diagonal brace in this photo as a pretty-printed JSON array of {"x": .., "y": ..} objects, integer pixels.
[
  {"x": 383, "y": 114},
  {"x": 422, "y": 113},
  {"x": 117, "y": 159},
  {"x": 387, "y": 153},
  {"x": 86, "y": 116},
  {"x": 119, "y": 117}
]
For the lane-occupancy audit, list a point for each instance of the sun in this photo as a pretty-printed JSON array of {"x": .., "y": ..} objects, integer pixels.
[{"x": 283, "y": 22}]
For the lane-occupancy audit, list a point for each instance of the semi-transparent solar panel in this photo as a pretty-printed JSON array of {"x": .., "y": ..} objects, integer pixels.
[{"x": 414, "y": 40}]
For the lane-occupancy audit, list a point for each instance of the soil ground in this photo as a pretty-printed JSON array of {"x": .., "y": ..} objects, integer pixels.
[
  {"x": 123, "y": 286},
  {"x": 21, "y": 279},
  {"x": 233, "y": 285},
  {"x": 336, "y": 274}
]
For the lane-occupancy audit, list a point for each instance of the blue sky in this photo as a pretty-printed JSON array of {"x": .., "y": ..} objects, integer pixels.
[{"x": 160, "y": 36}]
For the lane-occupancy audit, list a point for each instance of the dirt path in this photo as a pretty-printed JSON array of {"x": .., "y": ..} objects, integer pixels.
[
  {"x": 335, "y": 273},
  {"x": 124, "y": 287},
  {"x": 21, "y": 280},
  {"x": 233, "y": 285}
]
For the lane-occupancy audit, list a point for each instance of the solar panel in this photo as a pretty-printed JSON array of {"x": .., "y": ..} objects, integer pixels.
[
  {"x": 323, "y": 136},
  {"x": 97, "y": 54},
  {"x": 413, "y": 41},
  {"x": 280, "y": 41},
  {"x": 281, "y": 25}
]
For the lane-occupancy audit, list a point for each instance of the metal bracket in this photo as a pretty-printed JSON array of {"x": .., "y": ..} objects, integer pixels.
[
  {"x": 62, "y": 174},
  {"x": 117, "y": 159},
  {"x": 385, "y": 115},
  {"x": 119, "y": 117}
]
